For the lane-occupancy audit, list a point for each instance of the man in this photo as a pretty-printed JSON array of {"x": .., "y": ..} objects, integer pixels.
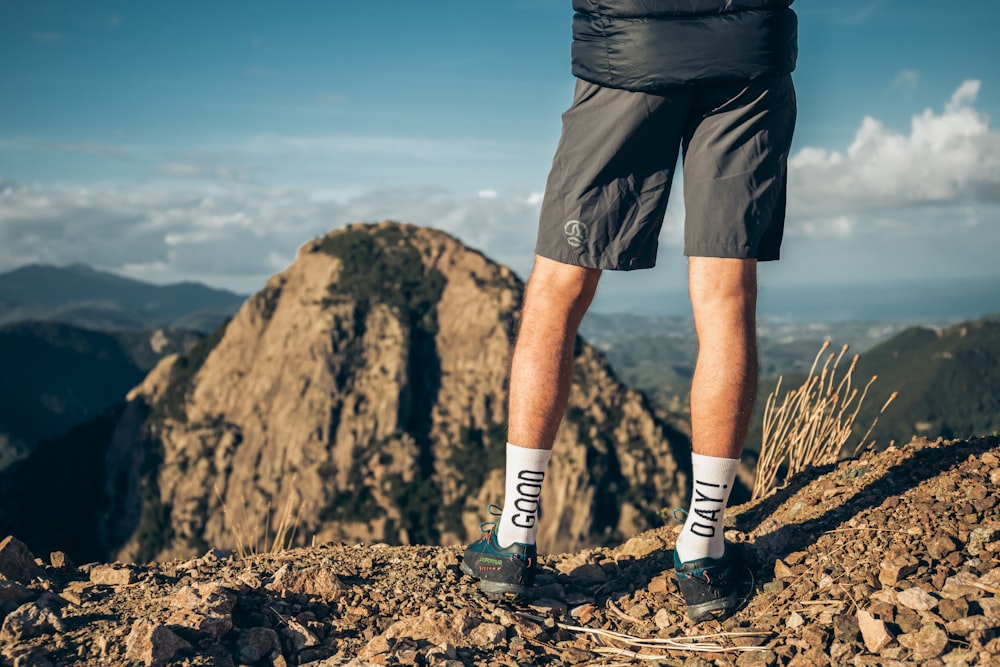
[{"x": 710, "y": 78}]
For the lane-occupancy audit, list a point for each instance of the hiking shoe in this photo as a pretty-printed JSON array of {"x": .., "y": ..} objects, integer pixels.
[
  {"x": 501, "y": 570},
  {"x": 714, "y": 588}
]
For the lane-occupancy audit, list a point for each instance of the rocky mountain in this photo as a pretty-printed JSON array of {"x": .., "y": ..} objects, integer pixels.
[
  {"x": 92, "y": 299},
  {"x": 363, "y": 389},
  {"x": 890, "y": 559}
]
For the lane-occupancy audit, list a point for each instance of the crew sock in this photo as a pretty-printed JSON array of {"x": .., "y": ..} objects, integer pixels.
[
  {"x": 522, "y": 494},
  {"x": 702, "y": 535}
]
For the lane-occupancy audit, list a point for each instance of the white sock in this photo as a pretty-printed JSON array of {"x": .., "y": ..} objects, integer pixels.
[
  {"x": 522, "y": 494},
  {"x": 702, "y": 535}
]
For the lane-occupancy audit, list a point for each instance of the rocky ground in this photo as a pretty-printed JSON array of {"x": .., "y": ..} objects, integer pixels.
[{"x": 891, "y": 558}]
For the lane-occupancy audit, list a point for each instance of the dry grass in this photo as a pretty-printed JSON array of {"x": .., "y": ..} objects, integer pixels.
[
  {"x": 812, "y": 424},
  {"x": 252, "y": 528}
]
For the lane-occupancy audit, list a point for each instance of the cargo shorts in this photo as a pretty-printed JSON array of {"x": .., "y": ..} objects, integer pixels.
[{"x": 607, "y": 191}]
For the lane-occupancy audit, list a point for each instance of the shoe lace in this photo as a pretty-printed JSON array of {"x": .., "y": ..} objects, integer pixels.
[{"x": 493, "y": 510}]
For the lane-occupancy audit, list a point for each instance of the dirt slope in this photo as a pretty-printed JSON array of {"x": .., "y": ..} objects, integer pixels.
[{"x": 889, "y": 559}]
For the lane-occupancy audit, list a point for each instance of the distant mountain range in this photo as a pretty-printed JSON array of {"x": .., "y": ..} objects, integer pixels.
[
  {"x": 93, "y": 299},
  {"x": 947, "y": 374},
  {"x": 74, "y": 340},
  {"x": 56, "y": 376}
]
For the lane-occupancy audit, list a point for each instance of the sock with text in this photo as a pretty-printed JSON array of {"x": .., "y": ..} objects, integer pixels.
[
  {"x": 702, "y": 535},
  {"x": 522, "y": 494}
]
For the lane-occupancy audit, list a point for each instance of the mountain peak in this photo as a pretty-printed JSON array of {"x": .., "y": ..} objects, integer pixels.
[{"x": 367, "y": 384}]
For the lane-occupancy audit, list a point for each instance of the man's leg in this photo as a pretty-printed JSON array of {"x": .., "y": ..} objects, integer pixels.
[
  {"x": 724, "y": 299},
  {"x": 555, "y": 301}
]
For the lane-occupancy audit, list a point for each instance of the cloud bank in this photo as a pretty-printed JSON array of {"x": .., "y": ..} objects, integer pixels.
[
  {"x": 892, "y": 198},
  {"x": 946, "y": 158}
]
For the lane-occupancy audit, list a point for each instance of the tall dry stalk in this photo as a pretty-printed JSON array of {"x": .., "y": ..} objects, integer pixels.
[
  {"x": 813, "y": 423},
  {"x": 252, "y": 528}
]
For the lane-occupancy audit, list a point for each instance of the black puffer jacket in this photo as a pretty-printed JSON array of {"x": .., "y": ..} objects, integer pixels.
[{"x": 647, "y": 45}]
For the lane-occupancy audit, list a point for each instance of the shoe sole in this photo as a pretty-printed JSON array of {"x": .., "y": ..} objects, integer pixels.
[{"x": 497, "y": 589}]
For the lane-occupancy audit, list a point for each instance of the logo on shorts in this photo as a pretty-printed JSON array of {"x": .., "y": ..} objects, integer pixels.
[{"x": 576, "y": 233}]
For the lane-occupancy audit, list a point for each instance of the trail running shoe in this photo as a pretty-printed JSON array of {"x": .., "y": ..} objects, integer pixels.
[
  {"x": 713, "y": 588},
  {"x": 500, "y": 570}
]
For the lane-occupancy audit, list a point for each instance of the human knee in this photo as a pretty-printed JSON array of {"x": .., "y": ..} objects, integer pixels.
[
  {"x": 554, "y": 283},
  {"x": 721, "y": 280}
]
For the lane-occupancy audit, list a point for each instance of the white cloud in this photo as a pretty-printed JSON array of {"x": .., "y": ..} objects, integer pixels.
[
  {"x": 233, "y": 235},
  {"x": 947, "y": 158},
  {"x": 906, "y": 82},
  {"x": 929, "y": 196}
]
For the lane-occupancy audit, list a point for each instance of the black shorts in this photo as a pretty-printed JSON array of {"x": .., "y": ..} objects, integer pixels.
[{"x": 607, "y": 191}]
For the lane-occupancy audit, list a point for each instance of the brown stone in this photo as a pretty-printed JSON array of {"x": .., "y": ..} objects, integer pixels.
[
  {"x": 908, "y": 620},
  {"x": 298, "y": 635},
  {"x": 781, "y": 570},
  {"x": 990, "y": 607},
  {"x": 952, "y": 610},
  {"x": 583, "y": 613},
  {"x": 979, "y": 538},
  {"x": 205, "y": 608},
  {"x": 488, "y": 635},
  {"x": 153, "y": 644},
  {"x": 845, "y": 628},
  {"x": 60, "y": 561},
  {"x": 589, "y": 573},
  {"x": 874, "y": 632},
  {"x": 917, "y": 599},
  {"x": 960, "y": 585},
  {"x": 929, "y": 642},
  {"x": 31, "y": 620},
  {"x": 212, "y": 625},
  {"x": 112, "y": 575},
  {"x": 254, "y": 644},
  {"x": 660, "y": 584},
  {"x": 966, "y": 626},
  {"x": 893, "y": 569},
  {"x": 317, "y": 582},
  {"x": 764, "y": 658},
  {"x": 664, "y": 619},
  {"x": 939, "y": 546},
  {"x": 17, "y": 563}
]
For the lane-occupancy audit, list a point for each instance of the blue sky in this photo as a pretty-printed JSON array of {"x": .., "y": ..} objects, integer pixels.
[{"x": 208, "y": 140}]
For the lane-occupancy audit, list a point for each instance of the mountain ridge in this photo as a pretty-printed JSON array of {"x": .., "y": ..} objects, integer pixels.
[{"x": 88, "y": 297}]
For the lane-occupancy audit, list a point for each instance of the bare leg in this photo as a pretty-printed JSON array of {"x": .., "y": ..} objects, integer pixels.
[
  {"x": 555, "y": 301},
  {"x": 724, "y": 299}
]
